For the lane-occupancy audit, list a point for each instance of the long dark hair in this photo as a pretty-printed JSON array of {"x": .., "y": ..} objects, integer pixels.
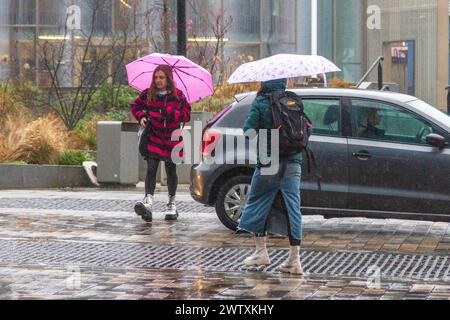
[{"x": 171, "y": 88}]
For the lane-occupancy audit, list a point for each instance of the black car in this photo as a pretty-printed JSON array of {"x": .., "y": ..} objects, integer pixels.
[{"x": 400, "y": 169}]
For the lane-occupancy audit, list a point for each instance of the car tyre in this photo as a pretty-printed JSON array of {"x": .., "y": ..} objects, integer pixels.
[{"x": 230, "y": 197}]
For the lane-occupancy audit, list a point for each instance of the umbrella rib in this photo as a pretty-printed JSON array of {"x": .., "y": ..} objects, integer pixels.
[
  {"x": 167, "y": 62},
  {"x": 178, "y": 67},
  {"x": 140, "y": 74},
  {"x": 187, "y": 67},
  {"x": 187, "y": 91},
  {"x": 157, "y": 64},
  {"x": 176, "y": 63},
  {"x": 136, "y": 88},
  {"x": 191, "y": 75},
  {"x": 172, "y": 66}
]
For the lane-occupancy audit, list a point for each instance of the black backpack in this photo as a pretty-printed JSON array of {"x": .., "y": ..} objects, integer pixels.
[
  {"x": 289, "y": 117},
  {"x": 294, "y": 126}
]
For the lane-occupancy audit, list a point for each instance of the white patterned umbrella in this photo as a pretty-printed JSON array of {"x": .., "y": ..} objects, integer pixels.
[{"x": 282, "y": 66}]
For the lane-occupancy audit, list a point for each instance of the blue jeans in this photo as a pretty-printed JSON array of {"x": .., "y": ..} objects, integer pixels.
[{"x": 263, "y": 191}]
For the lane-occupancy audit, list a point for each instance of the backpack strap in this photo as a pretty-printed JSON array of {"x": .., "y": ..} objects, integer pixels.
[{"x": 273, "y": 98}]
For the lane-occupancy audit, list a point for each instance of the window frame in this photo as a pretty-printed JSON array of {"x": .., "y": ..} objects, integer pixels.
[
  {"x": 436, "y": 128},
  {"x": 341, "y": 123}
]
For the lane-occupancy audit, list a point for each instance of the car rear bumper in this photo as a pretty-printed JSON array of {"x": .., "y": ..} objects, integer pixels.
[
  {"x": 205, "y": 179},
  {"x": 197, "y": 186}
]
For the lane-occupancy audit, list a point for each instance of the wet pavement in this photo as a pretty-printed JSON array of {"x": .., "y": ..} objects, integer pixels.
[{"x": 89, "y": 244}]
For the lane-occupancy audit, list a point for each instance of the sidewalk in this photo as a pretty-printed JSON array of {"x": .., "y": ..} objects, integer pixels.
[
  {"x": 47, "y": 236},
  {"x": 140, "y": 187}
]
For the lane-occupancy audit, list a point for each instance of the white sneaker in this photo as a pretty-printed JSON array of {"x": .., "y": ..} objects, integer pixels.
[
  {"x": 260, "y": 257},
  {"x": 144, "y": 208},
  {"x": 172, "y": 213}
]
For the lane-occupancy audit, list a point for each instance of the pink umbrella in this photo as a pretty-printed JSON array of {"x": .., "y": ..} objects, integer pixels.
[{"x": 195, "y": 81}]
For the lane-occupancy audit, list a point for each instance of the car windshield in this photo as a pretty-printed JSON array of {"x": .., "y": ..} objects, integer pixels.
[{"x": 432, "y": 111}]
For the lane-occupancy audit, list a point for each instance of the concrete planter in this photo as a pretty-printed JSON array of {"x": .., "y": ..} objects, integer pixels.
[{"x": 27, "y": 176}]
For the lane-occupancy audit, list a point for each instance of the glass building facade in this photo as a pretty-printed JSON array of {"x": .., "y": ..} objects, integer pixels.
[
  {"x": 26, "y": 26},
  {"x": 413, "y": 39},
  {"x": 412, "y": 35}
]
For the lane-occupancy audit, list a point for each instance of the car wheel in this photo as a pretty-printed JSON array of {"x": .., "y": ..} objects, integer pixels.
[{"x": 231, "y": 200}]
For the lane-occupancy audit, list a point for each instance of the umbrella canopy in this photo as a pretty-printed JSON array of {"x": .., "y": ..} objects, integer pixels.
[
  {"x": 195, "y": 81},
  {"x": 282, "y": 66}
]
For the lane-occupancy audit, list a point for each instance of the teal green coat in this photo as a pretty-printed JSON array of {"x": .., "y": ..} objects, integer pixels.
[{"x": 260, "y": 116}]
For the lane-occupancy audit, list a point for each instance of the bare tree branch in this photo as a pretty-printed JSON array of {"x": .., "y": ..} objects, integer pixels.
[
  {"x": 208, "y": 49},
  {"x": 99, "y": 56}
]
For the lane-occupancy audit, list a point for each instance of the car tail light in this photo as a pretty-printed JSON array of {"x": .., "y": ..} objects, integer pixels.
[{"x": 209, "y": 137}]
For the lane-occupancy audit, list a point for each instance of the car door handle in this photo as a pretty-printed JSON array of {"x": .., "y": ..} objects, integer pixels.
[{"x": 363, "y": 155}]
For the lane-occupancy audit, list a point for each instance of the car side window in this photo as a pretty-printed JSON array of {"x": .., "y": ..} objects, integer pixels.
[
  {"x": 377, "y": 120},
  {"x": 324, "y": 115}
]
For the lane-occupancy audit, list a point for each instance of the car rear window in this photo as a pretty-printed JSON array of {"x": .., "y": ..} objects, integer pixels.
[
  {"x": 220, "y": 114},
  {"x": 235, "y": 117}
]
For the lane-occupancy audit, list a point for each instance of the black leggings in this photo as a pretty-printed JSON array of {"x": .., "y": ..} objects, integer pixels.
[
  {"x": 172, "y": 178},
  {"x": 292, "y": 241}
]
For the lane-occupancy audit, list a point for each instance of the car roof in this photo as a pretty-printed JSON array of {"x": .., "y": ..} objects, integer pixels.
[
  {"x": 359, "y": 93},
  {"x": 387, "y": 96}
]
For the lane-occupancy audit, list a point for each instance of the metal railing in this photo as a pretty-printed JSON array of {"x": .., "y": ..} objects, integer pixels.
[{"x": 379, "y": 63}]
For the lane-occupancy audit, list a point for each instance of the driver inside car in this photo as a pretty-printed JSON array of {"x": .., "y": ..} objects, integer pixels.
[{"x": 368, "y": 128}]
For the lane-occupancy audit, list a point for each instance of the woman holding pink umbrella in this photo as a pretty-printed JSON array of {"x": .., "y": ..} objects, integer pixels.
[
  {"x": 164, "y": 108},
  {"x": 175, "y": 83}
]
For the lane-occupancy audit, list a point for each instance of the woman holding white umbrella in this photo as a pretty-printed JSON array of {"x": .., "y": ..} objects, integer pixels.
[
  {"x": 264, "y": 188},
  {"x": 273, "y": 72}
]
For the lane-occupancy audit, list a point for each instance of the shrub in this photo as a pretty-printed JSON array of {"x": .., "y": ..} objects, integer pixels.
[
  {"x": 84, "y": 136},
  {"x": 19, "y": 162},
  {"x": 3, "y": 148},
  {"x": 28, "y": 94},
  {"x": 45, "y": 139},
  {"x": 118, "y": 115},
  {"x": 223, "y": 95},
  {"x": 74, "y": 158},
  {"x": 211, "y": 104},
  {"x": 36, "y": 142},
  {"x": 226, "y": 90},
  {"x": 12, "y": 133},
  {"x": 112, "y": 98},
  {"x": 10, "y": 105},
  {"x": 340, "y": 83}
]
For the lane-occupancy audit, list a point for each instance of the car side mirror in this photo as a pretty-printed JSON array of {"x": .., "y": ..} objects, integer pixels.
[{"x": 437, "y": 141}]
